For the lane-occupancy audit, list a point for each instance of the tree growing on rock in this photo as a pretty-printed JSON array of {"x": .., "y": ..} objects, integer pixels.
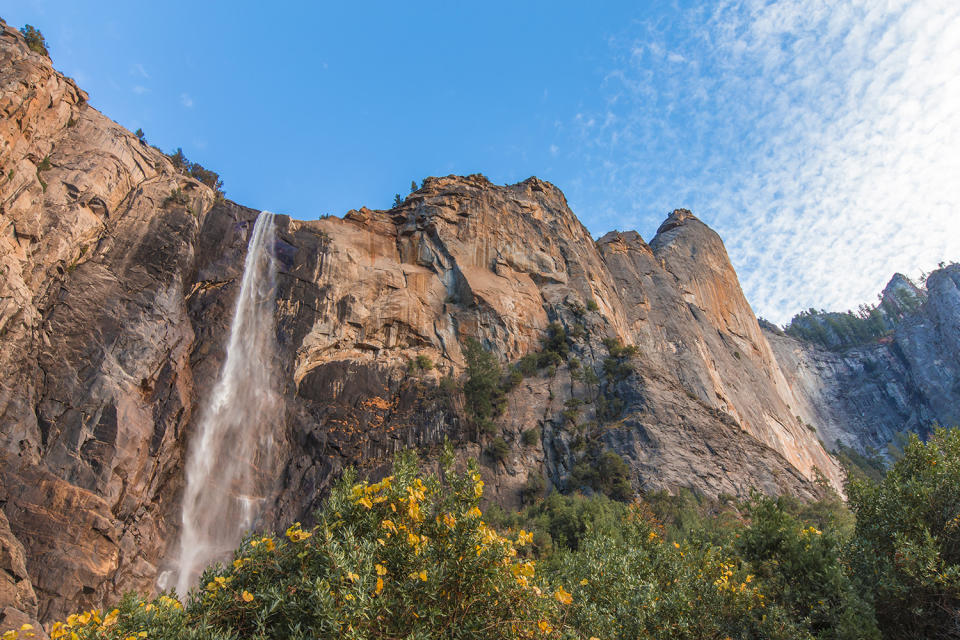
[{"x": 35, "y": 40}]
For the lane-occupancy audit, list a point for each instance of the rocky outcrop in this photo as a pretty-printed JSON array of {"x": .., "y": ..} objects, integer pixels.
[
  {"x": 116, "y": 301},
  {"x": 907, "y": 381},
  {"x": 96, "y": 390}
]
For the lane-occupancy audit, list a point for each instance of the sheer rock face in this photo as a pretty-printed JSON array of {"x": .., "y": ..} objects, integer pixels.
[
  {"x": 115, "y": 307},
  {"x": 95, "y": 389},
  {"x": 864, "y": 396}
]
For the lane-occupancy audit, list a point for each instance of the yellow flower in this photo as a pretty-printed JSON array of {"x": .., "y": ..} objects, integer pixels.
[
  {"x": 247, "y": 596},
  {"x": 268, "y": 543},
  {"x": 449, "y": 520},
  {"x": 9, "y": 635},
  {"x": 524, "y": 538},
  {"x": 584, "y": 582},
  {"x": 296, "y": 534},
  {"x": 381, "y": 570},
  {"x": 562, "y": 596},
  {"x": 348, "y": 597},
  {"x": 413, "y": 539},
  {"x": 365, "y": 501},
  {"x": 142, "y": 634},
  {"x": 26, "y": 626},
  {"x": 352, "y": 577},
  {"x": 379, "y": 586},
  {"x": 544, "y": 626},
  {"x": 423, "y": 575},
  {"x": 474, "y": 513}
]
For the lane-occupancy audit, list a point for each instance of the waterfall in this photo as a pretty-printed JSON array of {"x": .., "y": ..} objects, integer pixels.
[{"x": 229, "y": 459}]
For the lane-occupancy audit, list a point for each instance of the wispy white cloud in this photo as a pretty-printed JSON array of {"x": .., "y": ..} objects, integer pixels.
[
  {"x": 139, "y": 89},
  {"x": 137, "y": 69},
  {"x": 186, "y": 100},
  {"x": 821, "y": 140}
]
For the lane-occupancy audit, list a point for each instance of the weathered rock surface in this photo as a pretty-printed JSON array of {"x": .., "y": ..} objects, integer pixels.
[{"x": 908, "y": 381}]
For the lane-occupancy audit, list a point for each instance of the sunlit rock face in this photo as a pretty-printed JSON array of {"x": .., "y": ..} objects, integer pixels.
[{"x": 116, "y": 306}]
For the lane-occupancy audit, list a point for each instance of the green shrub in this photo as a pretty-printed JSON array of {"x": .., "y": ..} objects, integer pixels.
[
  {"x": 637, "y": 586},
  {"x": 196, "y": 171},
  {"x": 397, "y": 200},
  {"x": 592, "y": 305},
  {"x": 35, "y": 40},
  {"x": 403, "y": 558},
  {"x": 420, "y": 363},
  {"x": 907, "y": 542},
  {"x": 802, "y": 569},
  {"x": 176, "y": 197},
  {"x": 533, "y": 488},
  {"x": 531, "y": 436},
  {"x": 498, "y": 449},
  {"x": 604, "y": 473},
  {"x": 528, "y": 365},
  {"x": 482, "y": 391}
]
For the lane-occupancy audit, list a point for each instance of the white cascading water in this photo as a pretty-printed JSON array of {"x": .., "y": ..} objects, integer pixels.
[{"x": 230, "y": 458}]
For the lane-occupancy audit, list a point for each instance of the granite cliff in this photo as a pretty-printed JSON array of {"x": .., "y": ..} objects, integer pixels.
[
  {"x": 116, "y": 296},
  {"x": 864, "y": 396}
]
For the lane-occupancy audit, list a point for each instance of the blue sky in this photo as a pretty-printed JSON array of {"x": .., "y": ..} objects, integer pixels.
[{"x": 820, "y": 139}]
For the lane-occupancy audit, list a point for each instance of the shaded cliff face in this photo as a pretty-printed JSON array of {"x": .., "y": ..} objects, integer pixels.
[
  {"x": 863, "y": 396},
  {"x": 114, "y": 311}
]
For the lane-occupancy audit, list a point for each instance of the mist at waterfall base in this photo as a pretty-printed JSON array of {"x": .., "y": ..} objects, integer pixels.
[{"x": 230, "y": 458}]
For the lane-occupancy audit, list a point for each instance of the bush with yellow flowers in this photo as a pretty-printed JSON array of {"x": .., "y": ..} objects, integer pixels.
[
  {"x": 404, "y": 557},
  {"x": 409, "y": 556}
]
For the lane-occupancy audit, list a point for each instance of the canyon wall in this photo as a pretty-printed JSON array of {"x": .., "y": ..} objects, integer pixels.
[{"x": 116, "y": 299}]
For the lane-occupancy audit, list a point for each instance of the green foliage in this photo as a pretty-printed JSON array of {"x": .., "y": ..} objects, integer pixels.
[
  {"x": 407, "y": 557},
  {"x": 907, "y": 542},
  {"x": 858, "y": 466},
  {"x": 835, "y": 330},
  {"x": 498, "y": 449},
  {"x": 531, "y": 436},
  {"x": 419, "y": 364},
  {"x": 533, "y": 488},
  {"x": 604, "y": 473},
  {"x": 141, "y": 136},
  {"x": 196, "y": 171},
  {"x": 482, "y": 394},
  {"x": 638, "y": 586},
  {"x": 35, "y": 40},
  {"x": 528, "y": 365},
  {"x": 592, "y": 305},
  {"x": 802, "y": 569},
  {"x": 397, "y": 200},
  {"x": 413, "y": 557},
  {"x": 413, "y": 186},
  {"x": 45, "y": 164},
  {"x": 176, "y": 197}
]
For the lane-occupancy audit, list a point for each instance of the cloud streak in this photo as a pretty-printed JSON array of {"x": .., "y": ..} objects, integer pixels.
[{"x": 821, "y": 140}]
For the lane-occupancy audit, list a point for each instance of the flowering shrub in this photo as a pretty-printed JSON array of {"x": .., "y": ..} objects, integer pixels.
[{"x": 404, "y": 557}]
